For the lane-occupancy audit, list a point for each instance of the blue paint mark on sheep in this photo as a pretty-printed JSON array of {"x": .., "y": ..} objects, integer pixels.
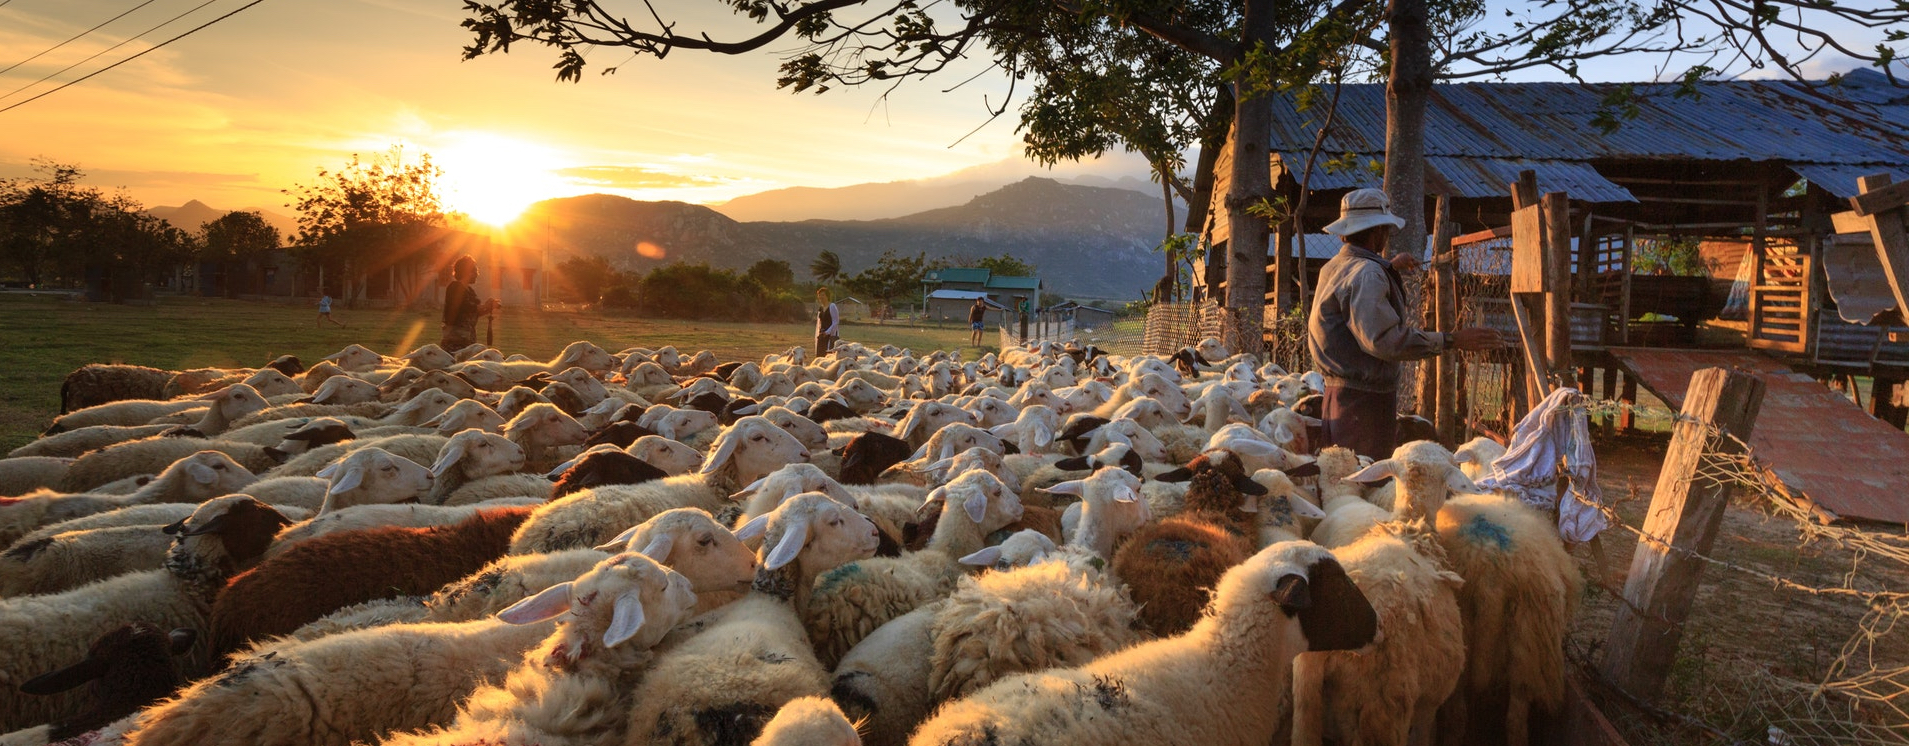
[
  {"x": 838, "y": 576},
  {"x": 1177, "y": 549},
  {"x": 1480, "y": 530}
]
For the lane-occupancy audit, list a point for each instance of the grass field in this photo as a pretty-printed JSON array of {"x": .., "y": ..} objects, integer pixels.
[{"x": 43, "y": 337}]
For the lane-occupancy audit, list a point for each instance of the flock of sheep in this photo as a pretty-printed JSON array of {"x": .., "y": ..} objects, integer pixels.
[{"x": 1049, "y": 546}]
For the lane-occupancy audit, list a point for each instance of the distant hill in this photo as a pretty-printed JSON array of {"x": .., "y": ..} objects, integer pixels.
[
  {"x": 1088, "y": 242},
  {"x": 901, "y": 198},
  {"x": 194, "y": 214}
]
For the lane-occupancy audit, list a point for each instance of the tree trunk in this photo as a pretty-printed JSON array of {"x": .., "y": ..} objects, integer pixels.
[
  {"x": 1251, "y": 183},
  {"x": 1203, "y": 169},
  {"x": 1406, "y": 92},
  {"x": 1172, "y": 275}
]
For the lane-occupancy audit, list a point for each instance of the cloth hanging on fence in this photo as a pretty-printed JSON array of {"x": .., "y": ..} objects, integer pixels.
[{"x": 1553, "y": 442}]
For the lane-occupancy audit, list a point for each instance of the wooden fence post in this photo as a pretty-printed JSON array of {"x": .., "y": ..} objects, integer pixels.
[
  {"x": 1445, "y": 270},
  {"x": 1557, "y": 294},
  {"x": 1685, "y": 510},
  {"x": 1529, "y": 254}
]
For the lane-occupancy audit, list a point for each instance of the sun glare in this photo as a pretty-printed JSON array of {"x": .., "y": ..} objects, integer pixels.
[{"x": 493, "y": 178}]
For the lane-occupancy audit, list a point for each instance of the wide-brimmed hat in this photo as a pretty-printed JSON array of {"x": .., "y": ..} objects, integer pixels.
[{"x": 1362, "y": 209}]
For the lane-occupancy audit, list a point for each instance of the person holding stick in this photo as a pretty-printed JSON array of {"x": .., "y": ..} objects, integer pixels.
[
  {"x": 1360, "y": 330},
  {"x": 462, "y": 307},
  {"x": 828, "y": 322}
]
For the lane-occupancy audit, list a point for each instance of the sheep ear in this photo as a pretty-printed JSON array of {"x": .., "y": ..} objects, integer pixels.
[
  {"x": 201, "y": 473},
  {"x": 1249, "y": 504},
  {"x": 349, "y": 481},
  {"x": 453, "y": 452},
  {"x": 1379, "y": 471},
  {"x": 1247, "y": 486},
  {"x": 1456, "y": 481},
  {"x": 1303, "y": 507},
  {"x": 976, "y": 504},
  {"x": 1292, "y": 595},
  {"x": 1125, "y": 494},
  {"x": 1308, "y": 469},
  {"x": 1075, "y": 487},
  {"x": 725, "y": 448},
  {"x": 932, "y": 503},
  {"x": 1076, "y": 463},
  {"x": 908, "y": 423},
  {"x": 659, "y": 546},
  {"x": 749, "y": 409},
  {"x": 1003, "y": 430},
  {"x": 793, "y": 539},
  {"x": 1312, "y": 421},
  {"x": 1043, "y": 436},
  {"x": 329, "y": 469},
  {"x": 754, "y": 528},
  {"x": 1283, "y": 434},
  {"x": 747, "y": 491},
  {"x": 938, "y": 465},
  {"x": 626, "y": 619},
  {"x": 544, "y": 606},
  {"x": 1181, "y": 474},
  {"x": 617, "y": 544},
  {"x": 65, "y": 679},
  {"x": 984, "y": 558}
]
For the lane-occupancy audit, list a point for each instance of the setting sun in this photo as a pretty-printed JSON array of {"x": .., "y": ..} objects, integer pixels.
[{"x": 493, "y": 178}]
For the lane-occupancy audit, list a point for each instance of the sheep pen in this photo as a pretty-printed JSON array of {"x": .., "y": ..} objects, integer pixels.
[{"x": 1734, "y": 672}]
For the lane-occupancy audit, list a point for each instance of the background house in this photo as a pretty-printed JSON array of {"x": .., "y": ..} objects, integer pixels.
[{"x": 949, "y": 292}]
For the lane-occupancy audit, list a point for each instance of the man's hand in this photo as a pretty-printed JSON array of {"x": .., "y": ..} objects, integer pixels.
[
  {"x": 1475, "y": 339},
  {"x": 1405, "y": 262}
]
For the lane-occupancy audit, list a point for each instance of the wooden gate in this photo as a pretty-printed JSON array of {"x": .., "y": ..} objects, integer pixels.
[{"x": 1781, "y": 312}]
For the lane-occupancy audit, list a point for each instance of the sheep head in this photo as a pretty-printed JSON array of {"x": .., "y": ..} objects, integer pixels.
[
  {"x": 809, "y": 721},
  {"x": 317, "y": 375},
  {"x": 763, "y": 495},
  {"x": 751, "y": 449},
  {"x": 625, "y": 599},
  {"x": 809, "y": 434},
  {"x": 1147, "y": 411},
  {"x": 977, "y": 497},
  {"x": 672, "y": 456},
  {"x": 1023, "y": 548},
  {"x": 355, "y": 358},
  {"x": 692, "y": 543},
  {"x": 929, "y": 418},
  {"x": 343, "y": 389},
  {"x": 814, "y": 532},
  {"x": 467, "y": 414},
  {"x": 477, "y": 454},
  {"x": 199, "y": 477},
  {"x": 1427, "y": 474},
  {"x": 449, "y": 383},
  {"x": 581, "y": 354},
  {"x": 1283, "y": 503},
  {"x": 544, "y": 426},
  {"x": 221, "y": 536},
  {"x": 429, "y": 357},
  {"x": 1298, "y": 581},
  {"x": 483, "y": 375},
  {"x": 423, "y": 406},
  {"x": 269, "y": 383},
  {"x": 584, "y": 383},
  {"x": 311, "y": 434},
  {"x": 372, "y": 475}
]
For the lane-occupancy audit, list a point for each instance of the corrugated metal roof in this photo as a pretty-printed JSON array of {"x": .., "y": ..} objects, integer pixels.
[
  {"x": 1840, "y": 178},
  {"x": 1477, "y": 133},
  {"x": 957, "y": 294},
  {"x": 1007, "y": 282}
]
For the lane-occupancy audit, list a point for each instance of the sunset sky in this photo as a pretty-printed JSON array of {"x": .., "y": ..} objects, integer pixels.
[{"x": 254, "y": 104}]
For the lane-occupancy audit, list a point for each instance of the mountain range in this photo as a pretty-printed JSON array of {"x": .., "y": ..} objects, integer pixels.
[
  {"x": 194, "y": 214},
  {"x": 1088, "y": 242},
  {"x": 893, "y": 199}
]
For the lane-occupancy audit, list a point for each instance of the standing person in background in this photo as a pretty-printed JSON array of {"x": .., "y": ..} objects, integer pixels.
[
  {"x": 976, "y": 314},
  {"x": 324, "y": 310},
  {"x": 462, "y": 307},
  {"x": 1360, "y": 331},
  {"x": 828, "y": 321}
]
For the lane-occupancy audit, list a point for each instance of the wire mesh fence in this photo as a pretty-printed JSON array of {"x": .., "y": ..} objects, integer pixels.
[{"x": 1846, "y": 676}]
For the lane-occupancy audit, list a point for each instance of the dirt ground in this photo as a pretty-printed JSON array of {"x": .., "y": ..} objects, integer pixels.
[{"x": 1751, "y": 652}]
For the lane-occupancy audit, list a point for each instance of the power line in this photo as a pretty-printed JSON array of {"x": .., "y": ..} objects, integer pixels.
[
  {"x": 142, "y": 53},
  {"x": 94, "y": 55},
  {"x": 69, "y": 41}
]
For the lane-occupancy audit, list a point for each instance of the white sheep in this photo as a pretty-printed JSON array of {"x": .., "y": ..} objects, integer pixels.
[
  {"x": 43, "y": 632},
  {"x": 1391, "y": 693},
  {"x": 1286, "y": 600},
  {"x": 418, "y": 448},
  {"x": 125, "y": 413},
  {"x": 372, "y": 476},
  {"x": 74, "y": 443},
  {"x": 1033, "y": 430},
  {"x": 927, "y": 419},
  {"x": 752, "y": 656},
  {"x": 152, "y": 456},
  {"x": 849, "y": 602},
  {"x": 192, "y": 479},
  {"x": 745, "y": 452},
  {"x": 577, "y": 686},
  {"x": 345, "y": 390},
  {"x": 20, "y": 475},
  {"x": 468, "y": 457}
]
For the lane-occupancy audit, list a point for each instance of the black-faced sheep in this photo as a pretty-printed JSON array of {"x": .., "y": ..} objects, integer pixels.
[{"x": 128, "y": 668}]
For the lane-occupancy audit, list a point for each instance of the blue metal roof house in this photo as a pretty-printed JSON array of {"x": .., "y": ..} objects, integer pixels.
[
  {"x": 950, "y": 291},
  {"x": 1766, "y": 162}
]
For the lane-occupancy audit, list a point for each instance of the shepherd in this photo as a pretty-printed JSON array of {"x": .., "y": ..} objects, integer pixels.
[
  {"x": 1360, "y": 332},
  {"x": 462, "y": 307},
  {"x": 828, "y": 321}
]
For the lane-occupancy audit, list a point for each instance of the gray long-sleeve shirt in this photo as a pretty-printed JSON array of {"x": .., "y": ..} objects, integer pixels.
[{"x": 1358, "y": 332}]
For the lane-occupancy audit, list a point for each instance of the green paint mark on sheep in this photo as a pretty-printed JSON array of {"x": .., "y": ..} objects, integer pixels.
[
  {"x": 838, "y": 576},
  {"x": 1480, "y": 530}
]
